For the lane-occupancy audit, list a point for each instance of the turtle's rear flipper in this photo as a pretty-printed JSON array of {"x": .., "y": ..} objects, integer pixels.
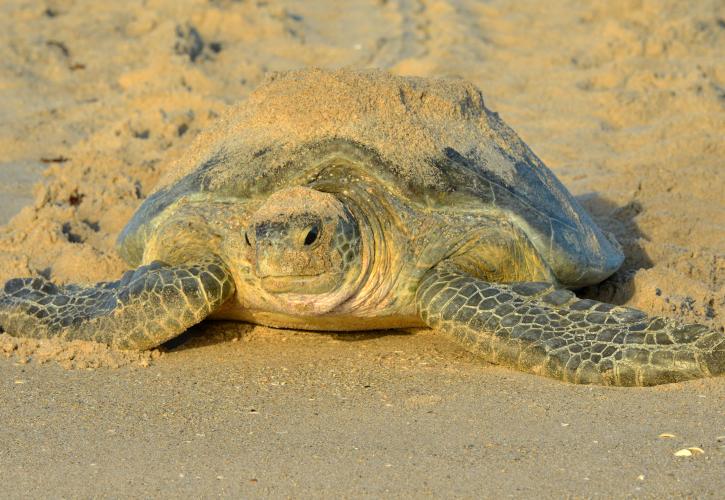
[
  {"x": 540, "y": 329},
  {"x": 143, "y": 309}
]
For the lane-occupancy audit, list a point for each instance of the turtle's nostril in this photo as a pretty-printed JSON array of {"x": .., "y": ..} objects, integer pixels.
[{"x": 312, "y": 235}]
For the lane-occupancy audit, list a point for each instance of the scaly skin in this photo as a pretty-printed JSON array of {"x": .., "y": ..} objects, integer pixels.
[
  {"x": 537, "y": 328},
  {"x": 143, "y": 309}
]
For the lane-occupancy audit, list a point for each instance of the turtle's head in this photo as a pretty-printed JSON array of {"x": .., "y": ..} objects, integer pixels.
[{"x": 304, "y": 242}]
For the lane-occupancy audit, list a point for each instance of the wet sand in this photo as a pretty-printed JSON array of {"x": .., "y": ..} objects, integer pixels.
[{"x": 623, "y": 100}]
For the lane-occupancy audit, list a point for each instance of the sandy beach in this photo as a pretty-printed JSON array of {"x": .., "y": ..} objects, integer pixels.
[{"x": 623, "y": 100}]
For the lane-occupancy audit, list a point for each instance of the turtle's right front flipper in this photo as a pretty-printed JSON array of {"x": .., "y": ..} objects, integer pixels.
[
  {"x": 537, "y": 328},
  {"x": 143, "y": 309}
]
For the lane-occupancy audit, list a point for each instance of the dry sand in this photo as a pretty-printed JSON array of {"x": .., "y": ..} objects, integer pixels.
[{"x": 624, "y": 100}]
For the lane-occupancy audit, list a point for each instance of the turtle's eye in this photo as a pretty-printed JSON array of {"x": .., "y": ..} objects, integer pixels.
[
  {"x": 246, "y": 239},
  {"x": 312, "y": 235}
]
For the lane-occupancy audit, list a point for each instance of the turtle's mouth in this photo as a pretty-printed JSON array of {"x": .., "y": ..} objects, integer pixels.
[{"x": 308, "y": 284}]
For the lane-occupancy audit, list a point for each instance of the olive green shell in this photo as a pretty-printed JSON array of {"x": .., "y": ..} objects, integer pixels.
[{"x": 433, "y": 139}]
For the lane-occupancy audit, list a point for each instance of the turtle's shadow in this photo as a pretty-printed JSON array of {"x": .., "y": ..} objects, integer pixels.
[
  {"x": 212, "y": 332},
  {"x": 361, "y": 336},
  {"x": 620, "y": 221},
  {"x": 206, "y": 333}
]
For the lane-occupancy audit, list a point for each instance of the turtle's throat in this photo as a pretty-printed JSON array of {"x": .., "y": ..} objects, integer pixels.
[{"x": 373, "y": 283}]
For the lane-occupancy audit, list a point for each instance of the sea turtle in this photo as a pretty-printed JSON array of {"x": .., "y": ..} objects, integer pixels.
[{"x": 351, "y": 200}]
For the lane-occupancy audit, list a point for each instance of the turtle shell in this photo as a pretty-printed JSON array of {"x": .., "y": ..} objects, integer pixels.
[{"x": 434, "y": 139}]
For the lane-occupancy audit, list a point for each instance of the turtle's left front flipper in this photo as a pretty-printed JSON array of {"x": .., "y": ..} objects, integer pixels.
[
  {"x": 540, "y": 329},
  {"x": 145, "y": 308}
]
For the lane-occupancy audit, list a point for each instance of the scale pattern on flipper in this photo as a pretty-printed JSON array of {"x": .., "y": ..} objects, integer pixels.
[
  {"x": 143, "y": 309},
  {"x": 538, "y": 328}
]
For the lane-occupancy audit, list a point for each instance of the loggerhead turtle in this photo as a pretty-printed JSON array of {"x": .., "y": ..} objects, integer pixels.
[{"x": 353, "y": 200}]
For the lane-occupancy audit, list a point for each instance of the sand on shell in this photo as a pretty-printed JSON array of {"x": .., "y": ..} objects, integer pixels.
[{"x": 623, "y": 100}]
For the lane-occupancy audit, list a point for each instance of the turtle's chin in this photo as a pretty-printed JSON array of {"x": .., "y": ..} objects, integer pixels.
[
  {"x": 302, "y": 285},
  {"x": 305, "y": 295}
]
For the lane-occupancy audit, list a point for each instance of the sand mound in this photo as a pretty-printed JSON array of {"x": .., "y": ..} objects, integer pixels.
[{"x": 75, "y": 355}]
